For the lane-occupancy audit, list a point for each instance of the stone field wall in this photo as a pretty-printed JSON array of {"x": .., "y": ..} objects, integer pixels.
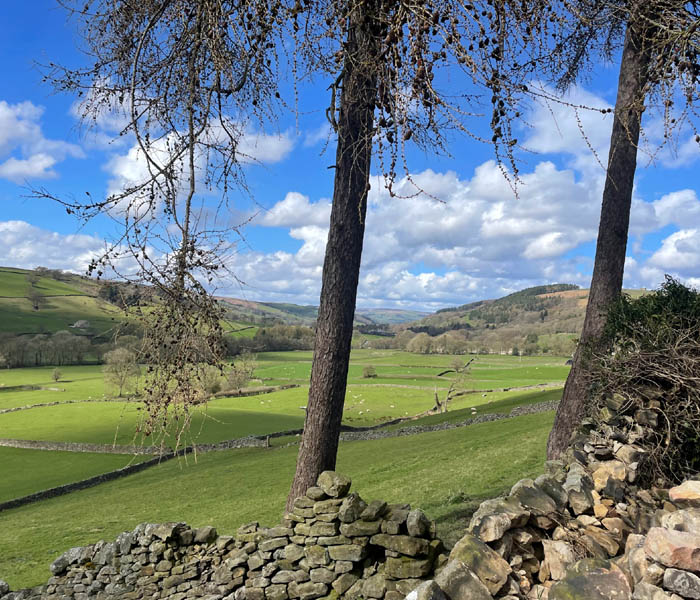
[{"x": 583, "y": 530}]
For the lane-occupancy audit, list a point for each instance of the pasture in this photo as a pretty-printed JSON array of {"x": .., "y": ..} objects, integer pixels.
[{"x": 440, "y": 471}]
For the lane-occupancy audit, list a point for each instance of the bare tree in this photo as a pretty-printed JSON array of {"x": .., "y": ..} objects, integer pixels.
[
  {"x": 121, "y": 369},
  {"x": 185, "y": 78},
  {"x": 659, "y": 58},
  {"x": 384, "y": 56}
]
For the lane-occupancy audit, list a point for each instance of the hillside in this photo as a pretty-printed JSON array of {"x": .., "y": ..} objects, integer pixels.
[
  {"x": 538, "y": 319},
  {"x": 48, "y": 301},
  {"x": 267, "y": 313}
]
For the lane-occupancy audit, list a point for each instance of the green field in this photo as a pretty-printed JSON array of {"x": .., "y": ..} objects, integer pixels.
[
  {"x": 441, "y": 472},
  {"x": 14, "y": 284},
  {"x": 51, "y": 469}
]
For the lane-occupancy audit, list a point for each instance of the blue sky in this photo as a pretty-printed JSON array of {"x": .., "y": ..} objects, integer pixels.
[{"x": 477, "y": 241}]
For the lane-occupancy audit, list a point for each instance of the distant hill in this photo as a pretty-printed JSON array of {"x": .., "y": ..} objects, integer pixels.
[
  {"x": 267, "y": 313},
  {"x": 539, "y": 317},
  {"x": 48, "y": 301}
]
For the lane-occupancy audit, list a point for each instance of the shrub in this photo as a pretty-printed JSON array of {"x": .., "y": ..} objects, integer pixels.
[
  {"x": 56, "y": 375},
  {"x": 651, "y": 367},
  {"x": 369, "y": 372}
]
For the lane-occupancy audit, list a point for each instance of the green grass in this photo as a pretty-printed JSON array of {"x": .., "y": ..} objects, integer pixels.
[
  {"x": 82, "y": 382},
  {"x": 441, "y": 472},
  {"x": 404, "y": 368},
  {"x": 51, "y": 469},
  {"x": 115, "y": 422},
  {"x": 18, "y": 316},
  {"x": 14, "y": 284},
  {"x": 500, "y": 402}
]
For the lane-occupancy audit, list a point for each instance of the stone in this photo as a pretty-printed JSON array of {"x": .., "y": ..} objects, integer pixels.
[
  {"x": 533, "y": 498},
  {"x": 344, "y": 583},
  {"x": 558, "y": 556},
  {"x": 484, "y": 562},
  {"x": 355, "y": 590},
  {"x": 4, "y": 588},
  {"x": 647, "y": 591},
  {"x": 492, "y": 527},
  {"x": 69, "y": 557},
  {"x": 590, "y": 579},
  {"x": 273, "y": 544},
  {"x": 276, "y": 592},
  {"x": 374, "y": 586},
  {"x": 307, "y": 590},
  {"x": 334, "y": 484},
  {"x": 603, "y": 539},
  {"x": 551, "y": 486},
  {"x": 343, "y": 566},
  {"x": 330, "y": 506},
  {"x": 579, "y": 487},
  {"x": 458, "y": 582},
  {"x": 293, "y": 552},
  {"x": 677, "y": 549},
  {"x": 406, "y": 586},
  {"x": 616, "y": 526},
  {"x": 322, "y": 575},
  {"x": 335, "y": 540},
  {"x": 278, "y": 532},
  {"x": 347, "y": 552},
  {"x": 629, "y": 454},
  {"x": 600, "y": 510},
  {"x": 316, "y": 493},
  {"x": 683, "y": 520},
  {"x": 686, "y": 495},
  {"x": 323, "y": 529},
  {"x": 397, "y": 512},
  {"x": 360, "y": 528},
  {"x": 283, "y": 577},
  {"x": 494, "y": 517},
  {"x": 429, "y": 590},
  {"x": 615, "y": 489},
  {"x": 205, "y": 535},
  {"x": 404, "y": 544},
  {"x": 351, "y": 508},
  {"x": 303, "y": 502},
  {"x": 417, "y": 524},
  {"x": 682, "y": 583},
  {"x": 317, "y": 555},
  {"x": 604, "y": 470},
  {"x": 647, "y": 417},
  {"x": 407, "y": 568},
  {"x": 374, "y": 510}
]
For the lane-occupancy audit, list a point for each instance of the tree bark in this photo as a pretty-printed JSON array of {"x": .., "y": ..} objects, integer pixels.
[
  {"x": 341, "y": 267},
  {"x": 608, "y": 269}
]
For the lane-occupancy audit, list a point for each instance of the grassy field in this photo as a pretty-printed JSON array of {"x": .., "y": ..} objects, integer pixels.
[
  {"x": 14, "y": 284},
  {"x": 51, "y": 469},
  {"x": 441, "y": 472}
]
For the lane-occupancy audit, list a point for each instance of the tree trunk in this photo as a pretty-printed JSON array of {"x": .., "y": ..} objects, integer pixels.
[
  {"x": 341, "y": 267},
  {"x": 606, "y": 283}
]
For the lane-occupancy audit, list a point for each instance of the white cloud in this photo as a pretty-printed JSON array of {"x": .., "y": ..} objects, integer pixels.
[
  {"x": 575, "y": 127},
  {"x": 260, "y": 147},
  {"x": 296, "y": 210},
  {"x": 317, "y": 136},
  {"x": 26, "y": 246},
  {"x": 24, "y": 151}
]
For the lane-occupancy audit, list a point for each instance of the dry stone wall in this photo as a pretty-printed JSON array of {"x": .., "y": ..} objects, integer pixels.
[
  {"x": 583, "y": 530},
  {"x": 332, "y": 545}
]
